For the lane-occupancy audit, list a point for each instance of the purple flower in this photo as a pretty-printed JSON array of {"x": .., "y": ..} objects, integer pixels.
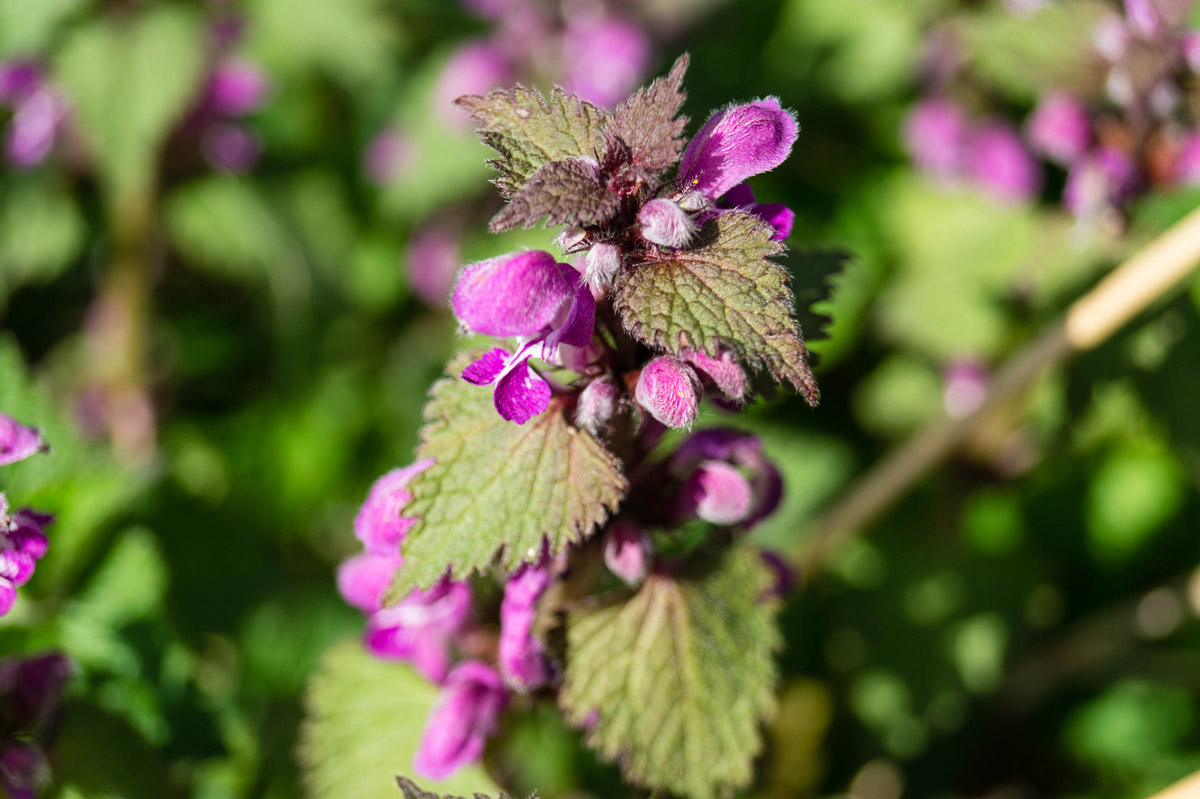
[
  {"x": 22, "y": 544},
  {"x": 475, "y": 68},
  {"x": 1186, "y": 166},
  {"x": 1189, "y": 43},
  {"x": 236, "y": 88},
  {"x": 628, "y": 551},
  {"x": 998, "y": 161},
  {"x": 1143, "y": 17},
  {"x": 231, "y": 148},
  {"x": 605, "y": 58},
  {"x": 24, "y": 771},
  {"x": 737, "y": 449},
  {"x": 31, "y": 691},
  {"x": 538, "y": 301},
  {"x": 669, "y": 391},
  {"x": 666, "y": 224},
  {"x": 737, "y": 143},
  {"x": 34, "y": 127},
  {"x": 935, "y": 134},
  {"x": 596, "y": 406},
  {"x": 18, "y": 442},
  {"x": 433, "y": 262},
  {"x": 718, "y": 493},
  {"x": 965, "y": 387},
  {"x": 387, "y": 157},
  {"x": 420, "y": 627},
  {"x": 1060, "y": 128},
  {"x": 1111, "y": 38},
  {"x": 1103, "y": 179},
  {"x": 522, "y": 658},
  {"x": 379, "y": 524},
  {"x": 724, "y": 372},
  {"x": 777, "y": 215},
  {"x": 467, "y": 713},
  {"x": 363, "y": 579},
  {"x": 785, "y": 576},
  {"x": 18, "y": 80}
]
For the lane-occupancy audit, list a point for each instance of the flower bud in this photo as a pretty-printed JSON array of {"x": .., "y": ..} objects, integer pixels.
[
  {"x": 18, "y": 442},
  {"x": 602, "y": 263},
  {"x": 34, "y": 128},
  {"x": 1143, "y": 17},
  {"x": 718, "y": 493},
  {"x": 666, "y": 224},
  {"x": 998, "y": 161},
  {"x": 692, "y": 200},
  {"x": 514, "y": 295},
  {"x": 596, "y": 407},
  {"x": 737, "y": 143},
  {"x": 723, "y": 371},
  {"x": 1111, "y": 38},
  {"x": 522, "y": 656},
  {"x": 627, "y": 551},
  {"x": 379, "y": 524},
  {"x": 669, "y": 391},
  {"x": 1059, "y": 128},
  {"x": 570, "y": 238},
  {"x": 466, "y": 714},
  {"x": 31, "y": 689}
]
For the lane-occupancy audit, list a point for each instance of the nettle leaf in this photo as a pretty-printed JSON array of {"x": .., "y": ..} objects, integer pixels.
[
  {"x": 721, "y": 293},
  {"x": 676, "y": 679},
  {"x": 529, "y": 131},
  {"x": 649, "y": 123},
  {"x": 498, "y": 488},
  {"x": 413, "y": 791},
  {"x": 566, "y": 192}
]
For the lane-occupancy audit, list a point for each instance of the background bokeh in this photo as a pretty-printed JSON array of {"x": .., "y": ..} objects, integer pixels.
[{"x": 226, "y": 235}]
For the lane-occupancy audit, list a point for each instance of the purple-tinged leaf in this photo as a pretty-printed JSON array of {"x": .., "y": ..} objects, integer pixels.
[
  {"x": 649, "y": 124},
  {"x": 567, "y": 192}
]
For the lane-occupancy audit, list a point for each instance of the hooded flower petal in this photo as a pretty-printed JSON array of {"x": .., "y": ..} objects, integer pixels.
[
  {"x": 513, "y": 295},
  {"x": 363, "y": 579},
  {"x": 379, "y": 524},
  {"x": 522, "y": 657},
  {"x": 466, "y": 714},
  {"x": 18, "y": 442},
  {"x": 737, "y": 143},
  {"x": 577, "y": 326}
]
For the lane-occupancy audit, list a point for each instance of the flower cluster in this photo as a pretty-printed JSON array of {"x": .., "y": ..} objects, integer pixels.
[
  {"x": 1138, "y": 133},
  {"x": 22, "y": 537},
  {"x": 30, "y": 698},
  {"x": 573, "y": 369}
]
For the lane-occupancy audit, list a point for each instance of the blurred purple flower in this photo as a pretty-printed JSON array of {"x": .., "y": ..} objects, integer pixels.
[
  {"x": 17, "y": 441},
  {"x": 24, "y": 771},
  {"x": 604, "y": 58},
  {"x": 1186, "y": 168},
  {"x": 420, "y": 627},
  {"x": 34, "y": 128},
  {"x": 433, "y": 260},
  {"x": 466, "y": 714},
  {"x": 718, "y": 493},
  {"x": 18, "y": 80},
  {"x": 628, "y": 551},
  {"x": 997, "y": 161},
  {"x": 231, "y": 148},
  {"x": 31, "y": 691},
  {"x": 965, "y": 387},
  {"x": 738, "y": 449},
  {"x": 363, "y": 579},
  {"x": 1104, "y": 178},
  {"x": 236, "y": 88},
  {"x": 1060, "y": 128},
  {"x": 387, "y": 156},
  {"x": 475, "y": 68},
  {"x": 379, "y": 524},
  {"x": 935, "y": 135},
  {"x": 522, "y": 657}
]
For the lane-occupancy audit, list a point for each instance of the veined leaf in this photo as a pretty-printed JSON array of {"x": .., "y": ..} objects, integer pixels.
[
  {"x": 676, "y": 679},
  {"x": 721, "y": 293},
  {"x": 529, "y": 131},
  {"x": 565, "y": 192},
  {"x": 649, "y": 122},
  {"x": 497, "y": 488}
]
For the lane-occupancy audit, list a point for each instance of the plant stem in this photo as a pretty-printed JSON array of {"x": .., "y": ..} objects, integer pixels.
[{"x": 1129, "y": 289}]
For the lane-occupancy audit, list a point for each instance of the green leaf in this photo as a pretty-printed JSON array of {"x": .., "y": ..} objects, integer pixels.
[
  {"x": 721, "y": 293},
  {"x": 363, "y": 724},
  {"x": 413, "y": 791},
  {"x": 566, "y": 192},
  {"x": 27, "y": 28},
  {"x": 498, "y": 488},
  {"x": 130, "y": 80},
  {"x": 529, "y": 131},
  {"x": 676, "y": 679},
  {"x": 649, "y": 122},
  {"x": 41, "y": 233}
]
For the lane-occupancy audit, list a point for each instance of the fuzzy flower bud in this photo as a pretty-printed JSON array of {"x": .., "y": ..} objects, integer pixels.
[
  {"x": 718, "y": 493},
  {"x": 666, "y": 224},
  {"x": 1059, "y": 128},
  {"x": 379, "y": 524},
  {"x": 724, "y": 372},
  {"x": 596, "y": 407},
  {"x": 466, "y": 714},
  {"x": 669, "y": 391},
  {"x": 737, "y": 143},
  {"x": 627, "y": 551},
  {"x": 998, "y": 161},
  {"x": 602, "y": 263},
  {"x": 18, "y": 442},
  {"x": 570, "y": 238},
  {"x": 522, "y": 658}
]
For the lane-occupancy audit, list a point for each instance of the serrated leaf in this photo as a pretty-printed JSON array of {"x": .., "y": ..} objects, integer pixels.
[
  {"x": 649, "y": 122},
  {"x": 565, "y": 192},
  {"x": 413, "y": 791},
  {"x": 498, "y": 488},
  {"x": 676, "y": 679},
  {"x": 129, "y": 81},
  {"x": 362, "y": 727},
  {"x": 529, "y": 131},
  {"x": 721, "y": 293}
]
